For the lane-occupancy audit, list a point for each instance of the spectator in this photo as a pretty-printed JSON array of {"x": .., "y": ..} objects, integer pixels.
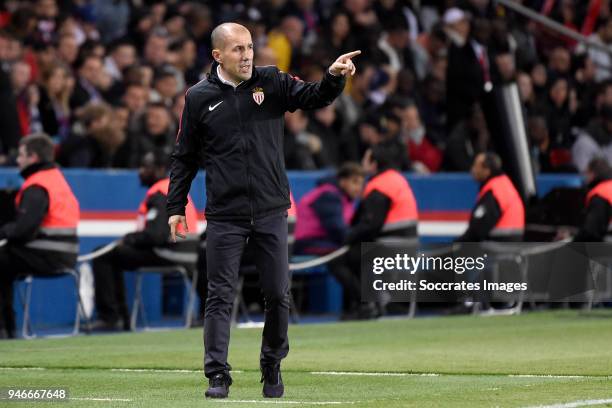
[
  {"x": 27, "y": 98},
  {"x": 165, "y": 87},
  {"x": 158, "y": 137},
  {"x": 286, "y": 41},
  {"x": 122, "y": 55},
  {"x": 302, "y": 148},
  {"x": 595, "y": 140},
  {"x": 336, "y": 39},
  {"x": 57, "y": 84},
  {"x": 467, "y": 139},
  {"x": 68, "y": 49},
  {"x": 424, "y": 156},
  {"x": 326, "y": 124},
  {"x": 86, "y": 89},
  {"x": 602, "y": 59},
  {"x": 96, "y": 144},
  {"x": 156, "y": 48},
  {"x": 559, "y": 110},
  {"x": 468, "y": 65},
  {"x": 547, "y": 156}
]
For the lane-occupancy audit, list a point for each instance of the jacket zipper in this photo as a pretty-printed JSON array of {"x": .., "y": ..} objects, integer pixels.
[{"x": 245, "y": 151}]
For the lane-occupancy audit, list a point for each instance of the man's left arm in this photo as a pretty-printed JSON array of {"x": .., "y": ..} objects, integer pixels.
[
  {"x": 156, "y": 230},
  {"x": 312, "y": 95},
  {"x": 595, "y": 224},
  {"x": 483, "y": 219},
  {"x": 30, "y": 215}
]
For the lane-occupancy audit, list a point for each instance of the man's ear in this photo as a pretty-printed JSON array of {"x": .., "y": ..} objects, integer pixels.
[{"x": 216, "y": 55}]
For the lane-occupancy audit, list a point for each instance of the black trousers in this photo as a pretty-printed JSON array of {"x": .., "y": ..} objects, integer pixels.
[
  {"x": 17, "y": 261},
  {"x": 111, "y": 304},
  {"x": 226, "y": 241}
]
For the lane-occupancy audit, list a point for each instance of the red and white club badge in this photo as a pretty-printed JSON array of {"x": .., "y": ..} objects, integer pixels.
[{"x": 258, "y": 95}]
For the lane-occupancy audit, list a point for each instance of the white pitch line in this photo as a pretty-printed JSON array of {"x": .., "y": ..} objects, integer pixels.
[
  {"x": 102, "y": 399},
  {"x": 24, "y": 368},
  {"x": 152, "y": 370},
  {"x": 559, "y": 376},
  {"x": 283, "y": 402},
  {"x": 362, "y": 373},
  {"x": 160, "y": 370},
  {"x": 337, "y": 373},
  {"x": 575, "y": 404}
]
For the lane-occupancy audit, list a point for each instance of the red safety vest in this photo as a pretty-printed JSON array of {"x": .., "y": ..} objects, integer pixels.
[
  {"x": 403, "y": 211},
  {"x": 63, "y": 209},
  {"x": 162, "y": 187},
  {"x": 512, "y": 220},
  {"x": 603, "y": 189}
]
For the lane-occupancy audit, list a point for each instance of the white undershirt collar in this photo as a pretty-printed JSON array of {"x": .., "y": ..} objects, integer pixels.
[{"x": 225, "y": 81}]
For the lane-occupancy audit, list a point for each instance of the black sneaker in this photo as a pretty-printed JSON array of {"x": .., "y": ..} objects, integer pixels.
[
  {"x": 273, "y": 382},
  {"x": 218, "y": 386}
]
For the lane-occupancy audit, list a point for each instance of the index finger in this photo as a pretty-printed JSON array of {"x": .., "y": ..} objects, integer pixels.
[{"x": 350, "y": 55}]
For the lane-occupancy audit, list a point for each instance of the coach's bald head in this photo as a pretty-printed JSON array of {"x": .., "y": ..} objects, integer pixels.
[
  {"x": 225, "y": 31},
  {"x": 233, "y": 50}
]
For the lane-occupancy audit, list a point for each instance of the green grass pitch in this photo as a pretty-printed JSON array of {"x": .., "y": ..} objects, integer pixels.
[{"x": 536, "y": 359}]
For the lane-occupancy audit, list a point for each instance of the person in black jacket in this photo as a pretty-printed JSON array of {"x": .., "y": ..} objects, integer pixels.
[
  {"x": 235, "y": 117},
  {"x": 598, "y": 212},
  {"x": 42, "y": 239},
  {"x": 137, "y": 249}
]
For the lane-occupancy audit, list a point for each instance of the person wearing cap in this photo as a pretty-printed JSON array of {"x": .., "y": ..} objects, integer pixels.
[{"x": 468, "y": 72}]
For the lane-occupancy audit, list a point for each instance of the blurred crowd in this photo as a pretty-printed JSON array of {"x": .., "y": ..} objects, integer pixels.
[{"x": 106, "y": 78}]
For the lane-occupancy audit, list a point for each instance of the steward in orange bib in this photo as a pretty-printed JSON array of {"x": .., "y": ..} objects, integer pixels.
[
  {"x": 387, "y": 211},
  {"x": 499, "y": 213},
  {"x": 148, "y": 246},
  {"x": 596, "y": 226},
  {"x": 42, "y": 240}
]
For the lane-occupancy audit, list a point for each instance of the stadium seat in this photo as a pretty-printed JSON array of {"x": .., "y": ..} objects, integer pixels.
[
  {"x": 190, "y": 285},
  {"x": 26, "y": 298}
]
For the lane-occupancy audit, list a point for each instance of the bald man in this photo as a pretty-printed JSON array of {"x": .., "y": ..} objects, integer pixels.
[{"x": 234, "y": 118}]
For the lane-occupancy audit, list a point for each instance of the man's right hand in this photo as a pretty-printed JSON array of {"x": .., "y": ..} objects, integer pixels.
[{"x": 173, "y": 222}]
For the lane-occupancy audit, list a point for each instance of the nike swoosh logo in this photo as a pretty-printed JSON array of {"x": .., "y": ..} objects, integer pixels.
[{"x": 213, "y": 107}]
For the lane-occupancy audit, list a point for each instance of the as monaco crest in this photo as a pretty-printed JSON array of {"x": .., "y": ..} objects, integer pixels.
[{"x": 258, "y": 95}]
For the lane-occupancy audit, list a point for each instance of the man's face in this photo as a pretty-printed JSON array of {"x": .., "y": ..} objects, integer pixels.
[
  {"x": 352, "y": 185},
  {"x": 91, "y": 70},
  {"x": 156, "y": 49},
  {"x": 124, "y": 56},
  {"x": 24, "y": 159},
  {"x": 135, "y": 98},
  {"x": 158, "y": 120},
  {"x": 479, "y": 171},
  {"x": 236, "y": 56},
  {"x": 147, "y": 171}
]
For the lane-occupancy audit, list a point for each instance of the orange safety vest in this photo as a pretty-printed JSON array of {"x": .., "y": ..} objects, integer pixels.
[
  {"x": 162, "y": 187},
  {"x": 603, "y": 189},
  {"x": 403, "y": 211},
  {"x": 512, "y": 220},
  {"x": 63, "y": 212}
]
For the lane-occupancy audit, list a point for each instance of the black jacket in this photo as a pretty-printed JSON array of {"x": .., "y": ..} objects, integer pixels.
[{"x": 241, "y": 141}]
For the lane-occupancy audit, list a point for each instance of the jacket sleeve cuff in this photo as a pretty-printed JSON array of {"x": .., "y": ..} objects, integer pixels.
[
  {"x": 335, "y": 79},
  {"x": 175, "y": 211}
]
